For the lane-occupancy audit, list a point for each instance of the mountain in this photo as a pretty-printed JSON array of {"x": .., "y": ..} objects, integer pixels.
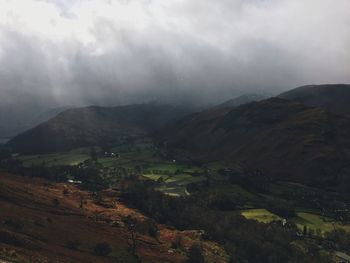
[
  {"x": 284, "y": 139},
  {"x": 334, "y": 97},
  {"x": 94, "y": 126},
  {"x": 243, "y": 99},
  {"x": 17, "y": 118}
]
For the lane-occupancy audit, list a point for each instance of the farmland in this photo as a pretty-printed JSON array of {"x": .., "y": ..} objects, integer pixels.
[
  {"x": 178, "y": 178},
  {"x": 140, "y": 158}
]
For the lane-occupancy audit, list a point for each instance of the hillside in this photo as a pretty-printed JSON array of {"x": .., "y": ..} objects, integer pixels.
[
  {"x": 19, "y": 117},
  {"x": 283, "y": 139},
  {"x": 334, "y": 97},
  {"x": 93, "y": 126},
  {"x": 44, "y": 222},
  {"x": 243, "y": 99}
]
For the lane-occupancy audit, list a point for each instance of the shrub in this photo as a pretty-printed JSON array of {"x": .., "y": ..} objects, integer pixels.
[{"x": 102, "y": 249}]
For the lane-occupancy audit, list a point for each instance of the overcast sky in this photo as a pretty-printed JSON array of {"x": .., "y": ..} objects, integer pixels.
[{"x": 124, "y": 51}]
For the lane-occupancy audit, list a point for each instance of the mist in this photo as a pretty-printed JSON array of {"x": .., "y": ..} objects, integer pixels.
[{"x": 71, "y": 52}]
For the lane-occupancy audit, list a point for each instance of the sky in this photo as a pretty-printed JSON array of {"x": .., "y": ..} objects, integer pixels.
[{"x": 110, "y": 52}]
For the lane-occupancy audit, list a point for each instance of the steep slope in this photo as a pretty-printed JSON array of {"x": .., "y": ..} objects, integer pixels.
[
  {"x": 284, "y": 139},
  {"x": 334, "y": 97},
  {"x": 44, "y": 222},
  {"x": 93, "y": 126}
]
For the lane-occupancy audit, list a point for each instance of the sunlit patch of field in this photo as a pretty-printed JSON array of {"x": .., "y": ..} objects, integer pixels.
[
  {"x": 183, "y": 179},
  {"x": 318, "y": 223},
  {"x": 175, "y": 185},
  {"x": 260, "y": 215},
  {"x": 173, "y": 190},
  {"x": 55, "y": 159}
]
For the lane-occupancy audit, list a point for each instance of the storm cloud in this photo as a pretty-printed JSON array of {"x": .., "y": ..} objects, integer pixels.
[{"x": 108, "y": 52}]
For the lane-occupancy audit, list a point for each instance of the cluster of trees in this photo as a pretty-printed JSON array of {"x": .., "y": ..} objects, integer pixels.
[{"x": 245, "y": 240}]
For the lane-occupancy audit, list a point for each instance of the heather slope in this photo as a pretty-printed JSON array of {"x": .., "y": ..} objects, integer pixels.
[{"x": 284, "y": 139}]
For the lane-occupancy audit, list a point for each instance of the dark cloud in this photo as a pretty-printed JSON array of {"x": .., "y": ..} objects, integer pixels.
[{"x": 63, "y": 52}]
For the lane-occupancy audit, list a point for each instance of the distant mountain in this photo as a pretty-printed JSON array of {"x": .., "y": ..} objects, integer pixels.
[
  {"x": 94, "y": 126},
  {"x": 334, "y": 97},
  {"x": 17, "y": 118},
  {"x": 285, "y": 139},
  {"x": 243, "y": 99}
]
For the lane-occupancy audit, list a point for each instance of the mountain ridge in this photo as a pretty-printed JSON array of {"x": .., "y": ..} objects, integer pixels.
[
  {"x": 93, "y": 125},
  {"x": 285, "y": 139}
]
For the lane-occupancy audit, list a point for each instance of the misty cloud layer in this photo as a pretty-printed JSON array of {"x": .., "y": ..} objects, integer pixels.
[{"x": 64, "y": 52}]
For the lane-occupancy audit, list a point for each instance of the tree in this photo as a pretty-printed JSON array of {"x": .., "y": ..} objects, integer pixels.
[
  {"x": 132, "y": 241},
  {"x": 304, "y": 231},
  {"x": 195, "y": 254}
]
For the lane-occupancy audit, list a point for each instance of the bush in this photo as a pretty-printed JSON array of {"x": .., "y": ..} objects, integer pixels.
[
  {"x": 102, "y": 249},
  {"x": 153, "y": 231}
]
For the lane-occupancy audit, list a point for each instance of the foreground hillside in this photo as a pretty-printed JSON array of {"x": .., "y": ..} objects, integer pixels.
[
  {"x": 93, "y": 126},
  {"x": 334, "y": 97},
  {"x": 280, "y": 138},
  {"x": 47, "y": 222}
]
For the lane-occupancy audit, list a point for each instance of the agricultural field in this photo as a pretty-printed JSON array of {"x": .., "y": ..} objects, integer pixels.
[
  {"x": 55, "y": 159},
  {"x": 175, "y": 185},
  {"x": 260, "y": 215},
  {"x": 318, "y": 223},
  {"x": 312, "y": 221},
  {"x": 139, "y": 158},
  {"x": 174, "y": 177}
]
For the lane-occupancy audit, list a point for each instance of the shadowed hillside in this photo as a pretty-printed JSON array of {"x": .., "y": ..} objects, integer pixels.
[
  {"x": 283, "y": 139},
  {"x": 43, "y": 221},
  {"x": 243, "y": 99},
  {"x": 94, "y": 126},
  {"x": 334, "y": 97}
]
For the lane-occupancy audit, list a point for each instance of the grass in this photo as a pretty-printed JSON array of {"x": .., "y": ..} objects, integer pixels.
[
  {"x": 175, "y": 185},
  {"x": 317, "y": 222},
  {"x": 312, "y": 221},
  {"x": 173, "y": 190},
  {"x": 55, "y": 159},
  {"x": 176, "y": 176},
  {"x": 260, "y": 215},
  {"x": 183, "y": 179}
]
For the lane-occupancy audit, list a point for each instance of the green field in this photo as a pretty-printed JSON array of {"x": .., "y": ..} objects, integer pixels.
[
  {"x": 174, "y": 177},
  {"x": 317, "y": 222},
  {"x": 260, "y": 215},
  {"x": 56, "y": 159},
  {"x": 310, "y": 220},
  {"x": 175, "y": 185}
]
